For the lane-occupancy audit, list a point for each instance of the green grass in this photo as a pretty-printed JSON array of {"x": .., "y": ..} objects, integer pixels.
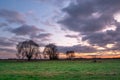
[{"x": 60, "y": 70}]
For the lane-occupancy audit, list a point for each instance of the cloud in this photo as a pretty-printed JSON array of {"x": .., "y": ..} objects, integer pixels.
[
  {"x": 43, "y": 35},
  {"x": 10, "y": 42},
  {"x": 104, "y": 38},
  {"x": 74, "y": 36},
  {"x": 26, "y": 30},
  {"x": 90, "y": 18},
  {"x": 99, "y": 39},
  {"x": 6, "y": 53},
  {"x": 41, "y": 38},
  {"x": 12, "y": 16},
  {"x": 3, "y": 24},
  {"x": 77, "y": 48},
  {"x": 7, "y": 50},
  {"x": 71, "y": 36},
  {"x": 4, "y": 42},
  {"x": 87, "y": 16}
]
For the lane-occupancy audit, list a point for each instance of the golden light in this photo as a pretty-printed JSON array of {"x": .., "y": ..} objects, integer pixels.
[
  {"x": 110, "y": 45},
  {"x": 99, "y": 48}
]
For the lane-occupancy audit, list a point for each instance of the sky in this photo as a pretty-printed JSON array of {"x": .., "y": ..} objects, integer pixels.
[{"x": 85, "y": 26}]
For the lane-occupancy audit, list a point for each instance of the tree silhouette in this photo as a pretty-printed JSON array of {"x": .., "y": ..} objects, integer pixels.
[
  {"x": 70, "y": 54},
  {"x": 51, "y": 51},
  {"x": 27, "y": 49}
]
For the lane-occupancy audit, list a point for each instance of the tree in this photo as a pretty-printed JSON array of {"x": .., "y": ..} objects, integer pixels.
[
  {"x": 51, "y": 51},
  {"x": 70, "y": 54},
  {"x": 27, "y": 49}
]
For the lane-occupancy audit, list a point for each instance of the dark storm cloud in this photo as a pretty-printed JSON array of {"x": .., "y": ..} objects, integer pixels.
[
  {"x": 99, "y": 39},
  {"x": 12, "y": 16},
  {"x": 104, "y": 38},
  {"x": 26, "y": 30},
  {"x": 90, "y": 17},
  {"x": 76, "y": 48}
]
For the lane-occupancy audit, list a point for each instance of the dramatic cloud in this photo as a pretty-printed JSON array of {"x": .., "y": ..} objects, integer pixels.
[
  {"x": 90, "y": 18},
  {"x": 99, "y": 39},
  {"x": 12, "y": 16},
  {"x": 104, "y": 38},
  {"x": 26, "y": 30}
]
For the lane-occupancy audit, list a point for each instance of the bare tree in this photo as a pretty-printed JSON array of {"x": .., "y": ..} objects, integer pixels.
[
  {"x": 27, "y": 49},
  {"x": 70, "y": 54},
  {"x": 51, "y": 51}
]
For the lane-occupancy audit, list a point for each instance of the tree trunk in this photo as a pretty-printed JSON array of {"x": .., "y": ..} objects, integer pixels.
[
  {"x": 29, "y": 58},
  {"x": 51, "y": 58}
]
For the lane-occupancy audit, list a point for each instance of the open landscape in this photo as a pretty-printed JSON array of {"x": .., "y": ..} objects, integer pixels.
[
  {"x": 60, "y": 70},
  {"x": 59, "y": 39}
]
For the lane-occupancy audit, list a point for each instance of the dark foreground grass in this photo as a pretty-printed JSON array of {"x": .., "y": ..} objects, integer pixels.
[{"x": 60, "y": 70}]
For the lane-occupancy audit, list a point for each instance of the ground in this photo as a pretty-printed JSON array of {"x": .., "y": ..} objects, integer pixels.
[{"x": 60, "y": 70}]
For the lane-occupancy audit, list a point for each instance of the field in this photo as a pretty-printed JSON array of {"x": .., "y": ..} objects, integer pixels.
[{"x": 60, "y": 70}]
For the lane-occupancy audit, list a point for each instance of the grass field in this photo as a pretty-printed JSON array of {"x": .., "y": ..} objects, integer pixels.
[{"x": 60, "y": 70}]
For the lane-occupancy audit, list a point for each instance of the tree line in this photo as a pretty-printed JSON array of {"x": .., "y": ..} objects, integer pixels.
[{"x": 29, "y": 49}]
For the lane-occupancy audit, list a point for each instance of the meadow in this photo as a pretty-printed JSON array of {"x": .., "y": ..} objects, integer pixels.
[{"x": 60, "y": 70}]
